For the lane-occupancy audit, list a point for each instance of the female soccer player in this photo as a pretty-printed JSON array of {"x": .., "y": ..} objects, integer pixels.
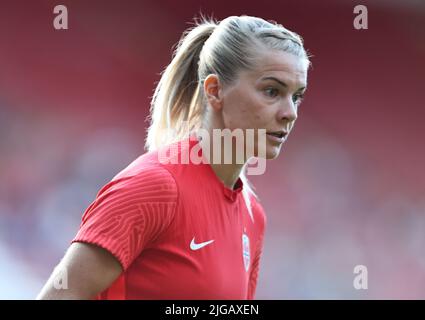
[{"x": 192, "y": 230}]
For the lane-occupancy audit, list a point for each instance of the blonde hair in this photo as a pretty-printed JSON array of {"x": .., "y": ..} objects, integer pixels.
[{"x": 222, "y": 48}]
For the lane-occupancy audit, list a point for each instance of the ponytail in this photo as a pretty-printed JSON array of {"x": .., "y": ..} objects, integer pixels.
[{"x": 177, "y": 98}]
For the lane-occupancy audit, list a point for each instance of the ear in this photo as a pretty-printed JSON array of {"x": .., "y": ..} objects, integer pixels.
[{"x": 213, "y": 91}]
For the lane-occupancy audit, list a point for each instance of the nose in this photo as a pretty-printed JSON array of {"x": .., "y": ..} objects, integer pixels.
[{"x": 287, "y": 112}]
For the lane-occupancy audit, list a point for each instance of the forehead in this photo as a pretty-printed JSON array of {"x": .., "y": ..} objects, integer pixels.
[{"x": 285, "y": 66}]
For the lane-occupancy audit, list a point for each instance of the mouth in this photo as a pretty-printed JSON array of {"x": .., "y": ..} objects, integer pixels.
[{"x": 277, "y": 136}]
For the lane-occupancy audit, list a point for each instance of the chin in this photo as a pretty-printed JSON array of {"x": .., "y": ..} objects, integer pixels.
[{"x": 272, "y": 152}]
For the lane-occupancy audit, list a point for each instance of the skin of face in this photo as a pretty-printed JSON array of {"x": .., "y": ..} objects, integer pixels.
[{"x": 256, "y": 101}]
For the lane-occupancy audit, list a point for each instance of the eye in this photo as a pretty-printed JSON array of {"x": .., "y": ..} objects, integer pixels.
[
  {"x": 297, "y": 98},
  {"x": 271, "y": 92}
]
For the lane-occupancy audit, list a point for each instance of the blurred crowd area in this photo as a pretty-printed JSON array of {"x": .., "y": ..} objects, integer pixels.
[{"x": 347, "y": 189}]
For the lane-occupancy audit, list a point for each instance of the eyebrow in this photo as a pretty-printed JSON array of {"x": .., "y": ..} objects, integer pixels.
[{"x": 283, "y": 84}]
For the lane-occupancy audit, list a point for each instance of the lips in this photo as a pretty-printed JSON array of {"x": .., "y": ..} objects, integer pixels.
[{"x": 279, "y": 134}]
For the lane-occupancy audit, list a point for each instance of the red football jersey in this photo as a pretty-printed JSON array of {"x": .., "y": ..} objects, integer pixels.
[{"x": 177, "y": 230}]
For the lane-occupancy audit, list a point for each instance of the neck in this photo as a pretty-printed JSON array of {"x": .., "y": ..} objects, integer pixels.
[{"x": 228, "y": 173}]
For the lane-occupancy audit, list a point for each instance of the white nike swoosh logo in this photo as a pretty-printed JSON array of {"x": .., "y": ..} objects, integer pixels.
[{"x": 197, "y": 246}]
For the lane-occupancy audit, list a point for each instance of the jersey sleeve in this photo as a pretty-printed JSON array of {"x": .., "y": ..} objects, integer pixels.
[
  {"x": 130, "y": 213},
  {"x": 261, "y": 219}
]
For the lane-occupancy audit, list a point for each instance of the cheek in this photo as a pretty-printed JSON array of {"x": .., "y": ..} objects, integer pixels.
[
  {"x": 260, "y": 114},
  {"x": 237, "y": 111},
  {"x": 248, "y": 112},
  {"x": 246, "y": 109}
]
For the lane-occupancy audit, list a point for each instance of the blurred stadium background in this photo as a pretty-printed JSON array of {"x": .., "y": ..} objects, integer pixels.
[{"x": 348, "y": 188}]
